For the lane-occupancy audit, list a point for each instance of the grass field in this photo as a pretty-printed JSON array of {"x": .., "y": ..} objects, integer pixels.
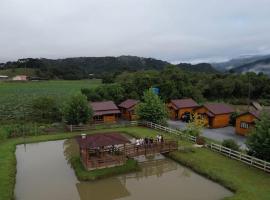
[
  {"x": 16, "y": 96},
  {"x": 247, "y": 182}
]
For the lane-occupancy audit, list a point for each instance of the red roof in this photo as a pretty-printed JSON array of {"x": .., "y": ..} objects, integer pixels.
[
  {"x": 184, "y": 103},
  {"x": 101, "y": 139},
  {"x": 104, "y": 107},
  {"x": 129, "y": 103},
  {"x": 218, "y": 108}
]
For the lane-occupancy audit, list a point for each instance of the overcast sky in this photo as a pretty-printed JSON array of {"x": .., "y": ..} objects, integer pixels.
[{"x": 172, "y": 30}]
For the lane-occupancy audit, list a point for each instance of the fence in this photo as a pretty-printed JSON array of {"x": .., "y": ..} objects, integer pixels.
[
  {"x": 74, "y": 128},
  {"x": 249, "y": 160}
]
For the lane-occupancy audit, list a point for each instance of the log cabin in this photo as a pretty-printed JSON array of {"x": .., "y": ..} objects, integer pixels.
[
  {"x": 245, "y": 122},
  {"x": 105, "y": 112},
  {"x": 216, "y": 115},
  {"x": 127, "y": 109},
  {"x": 181, "y": 109}
]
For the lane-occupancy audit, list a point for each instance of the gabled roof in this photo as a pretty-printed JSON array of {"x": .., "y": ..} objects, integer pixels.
[
  {"x": 254, "y": 113},
  {"x": 104, "y": 107},
  {"x": 101, "y": 139},
  {"x": 128, "y": 103},
  {"x": 218, "y": 108},
  {"x": 184, "y": 103}
]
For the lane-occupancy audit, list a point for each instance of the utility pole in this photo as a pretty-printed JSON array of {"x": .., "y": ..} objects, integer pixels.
[{"x": 249, "y": 91}]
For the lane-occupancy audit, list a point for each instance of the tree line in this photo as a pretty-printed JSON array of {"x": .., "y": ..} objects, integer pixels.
[{"x": 174, "y": 83}]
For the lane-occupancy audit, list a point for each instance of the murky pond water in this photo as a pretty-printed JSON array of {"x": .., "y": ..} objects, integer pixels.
[{"x": 43, "y": 173}]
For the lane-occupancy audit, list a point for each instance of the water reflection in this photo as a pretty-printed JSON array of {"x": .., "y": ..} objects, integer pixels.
[{"x": 43, "y": 173}]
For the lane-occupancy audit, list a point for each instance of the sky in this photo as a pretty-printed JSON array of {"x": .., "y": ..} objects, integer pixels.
[{"x": 171, "y": 30}]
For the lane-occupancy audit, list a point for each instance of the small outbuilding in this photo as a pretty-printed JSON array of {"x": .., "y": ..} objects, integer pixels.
[
  {"x": 216, "y": 115},
  {"x": 20, "y": 78},
  {"x": 181, "y": 109},
  {"x": 127, "y": 109},
  {"x": 245, "y": 122},
  {"x": 105, "y": 112}
]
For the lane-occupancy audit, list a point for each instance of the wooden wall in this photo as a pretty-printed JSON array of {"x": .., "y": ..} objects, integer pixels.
[
  {"x": 219, "y": 121},
  {"x": 128, "y": 115},
  {"x": 109, "y": 118},
  {"x": 248, "y": 118}
]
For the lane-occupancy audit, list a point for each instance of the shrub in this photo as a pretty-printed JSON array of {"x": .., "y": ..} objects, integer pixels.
[
  {"x": 258, "y": 141},
  {"x": 230, "y": 143}
]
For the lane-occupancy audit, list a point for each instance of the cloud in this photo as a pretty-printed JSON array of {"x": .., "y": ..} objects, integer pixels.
[{"x": 170, "y": 30}]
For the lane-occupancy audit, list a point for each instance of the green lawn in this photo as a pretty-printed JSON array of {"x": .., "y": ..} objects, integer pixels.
[
  {"x": 16, "y": 96},
  {"x": 247, "y": 182}
]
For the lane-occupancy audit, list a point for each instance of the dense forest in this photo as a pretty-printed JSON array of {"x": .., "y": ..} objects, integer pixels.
[
  {"x": 177, "y": 83},
  {"x": 80, "y": 68}
]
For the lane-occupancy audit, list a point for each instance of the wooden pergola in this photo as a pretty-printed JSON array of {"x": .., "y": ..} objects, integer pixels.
[
  {"x": 102, "y": 150},
  {"x": 113, "y": 149}
]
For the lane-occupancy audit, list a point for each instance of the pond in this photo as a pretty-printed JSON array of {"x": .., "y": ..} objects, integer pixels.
[{"x": 43, "y": 173}]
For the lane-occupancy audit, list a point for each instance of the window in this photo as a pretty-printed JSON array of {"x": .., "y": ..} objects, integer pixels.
[
  {"x": 98, "y": 118},
  {"x": 244, "y": 125}
]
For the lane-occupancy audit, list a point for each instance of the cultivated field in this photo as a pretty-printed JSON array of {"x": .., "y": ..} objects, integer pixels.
[{"x": 16, "y": 96}]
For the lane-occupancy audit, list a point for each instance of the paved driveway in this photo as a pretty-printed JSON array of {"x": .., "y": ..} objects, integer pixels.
[{"x": 218, "y": 134}]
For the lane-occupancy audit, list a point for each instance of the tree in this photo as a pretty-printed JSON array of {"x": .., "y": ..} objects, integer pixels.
[
  {"x": 77, "y": 110},
  {"x": 258, "y": 141},
  {"x": 45, "y": 109},
  {"x": 152, "y": 109},
  {"x": 195, "y": 126}
]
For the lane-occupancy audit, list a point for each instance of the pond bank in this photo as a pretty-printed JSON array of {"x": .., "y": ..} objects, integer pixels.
[{"x": 249, "y": 183}]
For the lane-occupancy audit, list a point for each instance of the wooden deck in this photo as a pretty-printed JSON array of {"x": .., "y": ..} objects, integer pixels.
[{"x": 130, "y": 151}]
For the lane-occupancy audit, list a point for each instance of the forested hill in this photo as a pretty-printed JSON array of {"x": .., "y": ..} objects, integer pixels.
[
  {"x": 201, "y": 67},
  {"x": 81, "y": 67}
]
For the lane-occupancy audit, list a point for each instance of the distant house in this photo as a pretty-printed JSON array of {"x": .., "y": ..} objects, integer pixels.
[
  {"x": 181, "y": 108},
  {"x": 105, "y": 111},
  {"x": 245, "y": 122},
  {"x": 216, "y": 115},
  {"x": 3, "y": 77},
  {"x": 127, "y": 109},
  {"x": 20, "y": 78}
]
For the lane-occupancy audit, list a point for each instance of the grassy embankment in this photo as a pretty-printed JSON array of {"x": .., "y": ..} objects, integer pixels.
[{"x": 248, "y": 183}]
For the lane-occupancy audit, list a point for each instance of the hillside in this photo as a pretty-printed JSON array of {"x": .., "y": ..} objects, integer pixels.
[
  {"x": 238, "y": 62},
  {"x": 257, "y": 66},
  {"x": 201, "y": 67},
  {"x": 81, "y": 67}
]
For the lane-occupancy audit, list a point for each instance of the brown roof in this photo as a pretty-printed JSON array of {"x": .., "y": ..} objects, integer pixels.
[
  {"x": 184, "y": 103},
  {"x": 101, "y": 139},
  {"x": 128, "y": 103},
  {"x": 254, "y": 113},
  {"x": 104, "y": 107},
  {"x": 218, "y": 108}
]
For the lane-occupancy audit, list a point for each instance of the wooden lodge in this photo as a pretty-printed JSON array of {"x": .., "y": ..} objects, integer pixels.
[
  {"x": 105, "y": 112},
  {"x": 181, "y": 109},
  {"x": 245, "y": 122},
  {"x": 216, "y": 115},
  {"x": 113, "y": 149},
  {"x": 127, "y": 109}
]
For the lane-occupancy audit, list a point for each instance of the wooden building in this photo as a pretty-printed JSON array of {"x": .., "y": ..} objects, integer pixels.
[
  {"x": 245, "y": 122},
  {"x": 181, "y": 109},
  {"x": 113, "y": 149},
  {"x": 127, "y": 109},
  {"x": 216, "y": 115},
  {"x": 102, "y": 150},
  {"x": 105, "y": 112}
]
